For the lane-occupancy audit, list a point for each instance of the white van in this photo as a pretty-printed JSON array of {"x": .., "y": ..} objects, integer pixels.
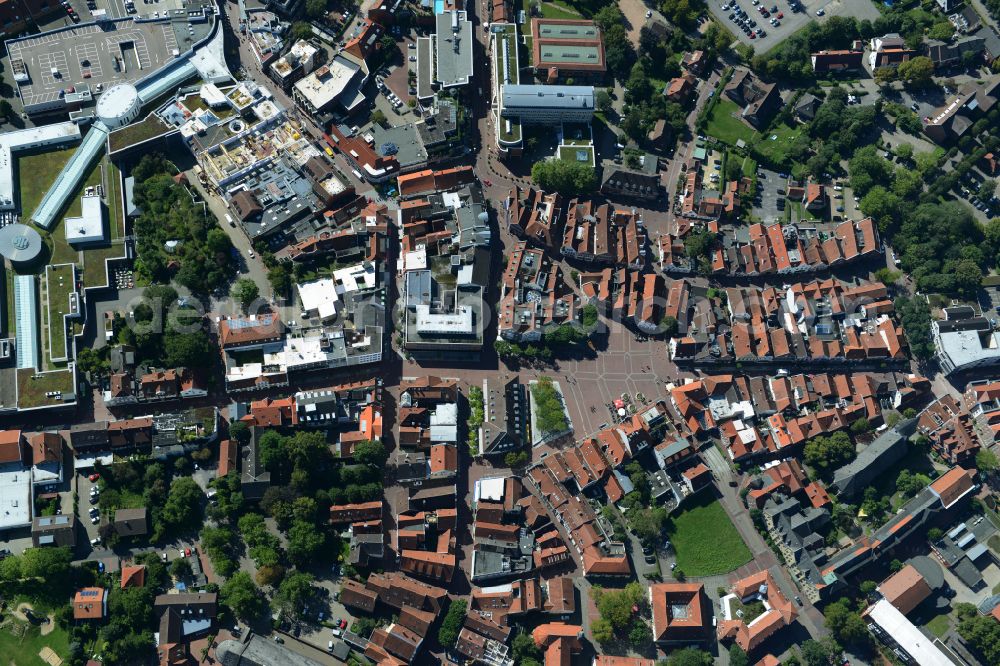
[{"x": 229, "y": 219}]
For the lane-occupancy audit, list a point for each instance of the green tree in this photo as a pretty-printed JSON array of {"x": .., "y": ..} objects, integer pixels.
[
  {"x": 987, "y": 189},
  {"x": 181, "y": 508},
  {"x": 315, "y": 8},
  {"x": 523, "y": 647},
  {"x": 550, "y": 416},
  {"x": 180, "y": 568},
  {"x": 934, "y": 534},
  {"x": 861, "y": 426},
  {"x": 816, "y": 653},
  {"x": 648, "y": 523},
  {"x": 825, "y": 454},
  {"x": 845, "y": 624},
  {"x": 887, "y": 276},
  {"x": 942, "y": 31},
  {"x": 639, "y": 633},
  {"x": 916, "y": 71},
  {"x": 670, "y": 327},
  {"x": 370, "y": 452},
  {"x": 566, "y": 177},
  {"x": 245, "y": 291},
  {"x": 615, "y": 606},
  {"x": 986, "y": 461},
  {"x": 602, "y": 631},
  {"x": 188, "y": 350},
  {"x": 305, "y": 543},
  {"x": 737, "y": 656},
  {"x": 6, "y": 110},
  {"x": 915, "y": 316},
  {"x": 301, "y": 30},
  {"x": 452, "y": 623},
  {"x": 690, "y": 657},
  {"x": 295, "y": 593},
  {"x": 982, "y": 631},
  {"x": 280, "y": 278},
  {"x": 602, "y": 100},
  {"x": 243, "y": 597}
]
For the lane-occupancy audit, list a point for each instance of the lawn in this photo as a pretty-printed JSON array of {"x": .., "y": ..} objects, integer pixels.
[
  {"x": 776, "y": 151},
  {"x": 62, "y": 252},
  {"x": 58, "y": 287},
  {"x": 32, "y": 387},
  {"x": 725, "y": 125},
  {"x": 572, "y": 153},
  {"x": 706, "y": 541},
  {"x": 939, "y": 625},
  {"x": 36, "y": 173},
  {"x": 93, "y": 263},
  {"x": 553, "y": 9},
  {"x": 23, "y": 650}
]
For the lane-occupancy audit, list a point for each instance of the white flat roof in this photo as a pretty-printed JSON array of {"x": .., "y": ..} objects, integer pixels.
[
  {"x": 902, "y": 631},
  {"x": 15, "y": 497},
  {"x": 89, "y": 227},
  {"x": 490, "y": 489},
  {"x": 328, "y": 82},
  {"x": 324, "y": 296},
  {"x": 457, "y": 323}
]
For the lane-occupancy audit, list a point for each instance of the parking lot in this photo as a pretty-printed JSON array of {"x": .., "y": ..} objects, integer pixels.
[
  {"x": 90, "y": 56},
  {"x": 768, "y": 183},
  {"x": 790, "y": 21}
]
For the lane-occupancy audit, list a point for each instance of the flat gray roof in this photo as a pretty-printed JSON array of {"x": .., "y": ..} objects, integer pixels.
[
  {"x": 425, "y": 68},
  {"x": 517, "y": 96},
  {"x": 454, "y": 44}
]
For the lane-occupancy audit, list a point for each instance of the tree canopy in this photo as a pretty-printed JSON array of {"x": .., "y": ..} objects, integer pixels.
[
  {"x": 567, "y": 177},
  {"x": 174, "y": 235}
]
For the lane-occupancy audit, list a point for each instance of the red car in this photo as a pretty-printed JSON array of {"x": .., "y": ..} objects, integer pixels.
[
  {"x": 488, "y": 183},
  {"x": 343, "y": 624},
  {"x": 781, "y": 15},
  {"x": 753, "y": 35},
  {"x": 187, "y": 552},
  {"x": 94, "y": 477}
]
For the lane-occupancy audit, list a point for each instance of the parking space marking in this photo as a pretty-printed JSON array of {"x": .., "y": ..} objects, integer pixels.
[
  {"x": 48, "y": 61},
  {"x": 89, "y": 52},
  {"x": 170, "y": 39}
]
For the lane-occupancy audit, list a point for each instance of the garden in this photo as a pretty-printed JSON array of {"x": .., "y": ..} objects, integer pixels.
[
  {"x": 724, "y": 123},
  {"x": 705, "y": 540}
]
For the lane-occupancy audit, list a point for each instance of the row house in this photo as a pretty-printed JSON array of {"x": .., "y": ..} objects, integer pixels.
[
  {"x": 356, "y": 238},
  {"x": 483, "y": 640},
  {"x": 951, "y": 429},
  {"x": 787, "y": 249},
  {"x": 633, "y": 298},
  {"x": 823, "y": 321},
  {"x": 982, "y": 400},
  {"x": 603, "y": 234},
  {"x": 533, "y": 296},
  {"x": 534, "y": 216},
  {"x": 590, "y": 535},
  {"x": 769, "y": 416}
]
